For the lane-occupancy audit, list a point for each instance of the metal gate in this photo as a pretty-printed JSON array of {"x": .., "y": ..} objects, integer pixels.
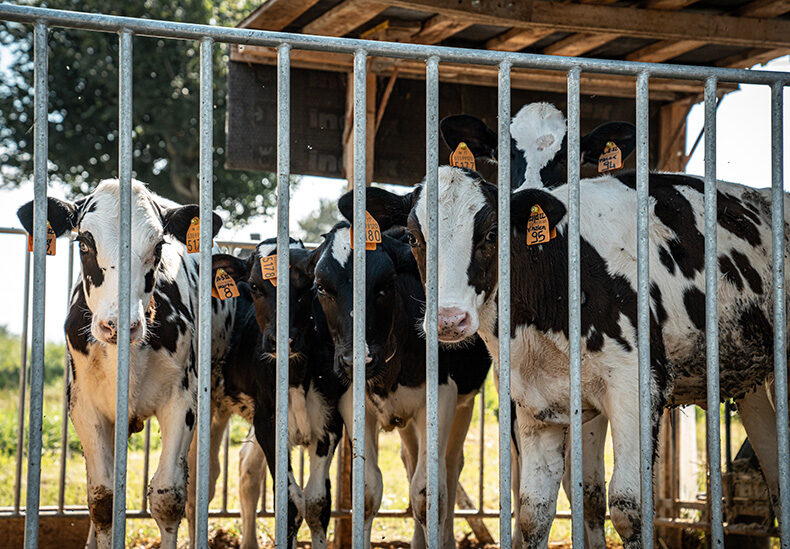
[{"x": 125, "y": 27}]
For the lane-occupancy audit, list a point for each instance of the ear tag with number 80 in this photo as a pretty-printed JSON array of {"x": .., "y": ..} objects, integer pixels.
[
  {"x": 193, "y": 236},
  {"x": 372, "y": 233},
  {"x": 224, "y": 286},
  {"x": 538, "y": 227},
  {"x": 51, "y": 238}
]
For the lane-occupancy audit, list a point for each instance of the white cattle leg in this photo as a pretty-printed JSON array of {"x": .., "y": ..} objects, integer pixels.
[
  {"x": 318, "y": 491},
  {"x": 448, "y": 396},
  {"x": 542, "y": 453},
  {"x": 409, "y": 454},
  {"x": 455, "y": 460},
  {"x": 219, "y": 421},
  {"x": 759, "y": 420},
  {"x": 517, "y": 539},
  {"x": 252, "y": 467},
  {"x": 168, "y": 492},
  {"x": 91, "y": 542},
  {"x": 373, "y": 481},
  {"x": 96, "y": 434},
  {"x": 593, "y": 476}
]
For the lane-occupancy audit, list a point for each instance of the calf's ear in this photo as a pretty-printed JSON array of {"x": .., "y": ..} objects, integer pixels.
[
  {"x": 176, "y": 221},
  {"x": 61, "y": 214},
  {"x": 622, "y": 134},
  {"x": 521, "y": 207},
  {"x": 388, "y": 209},
  {"x": 480, "y": 139},
  {"x": 238, "y": 269}
]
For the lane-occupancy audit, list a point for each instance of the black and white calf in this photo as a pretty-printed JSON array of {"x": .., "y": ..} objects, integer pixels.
[
  {"x": 243, "y": 382},
  {"x": 395, "y": 370},
  {"x": 467, "y": 304},
  {"x": 162, "y": 367}
]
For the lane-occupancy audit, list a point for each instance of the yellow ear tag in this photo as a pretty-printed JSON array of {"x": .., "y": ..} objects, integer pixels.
[
  {"x": 538, "y": 227},
  {"x": 372, "y": 233},
  {"x": 51, "y": 239},
  {"x": 193, "y": 236},
  {"x": 611, "y": 159},
  {"x": 462, "y": 157},
  {"x": 269, "y": 268},
  {"x": 224, "y": 285}
]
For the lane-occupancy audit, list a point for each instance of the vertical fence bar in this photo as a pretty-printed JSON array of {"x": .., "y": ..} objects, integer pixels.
[
  {"x": 481, "y": 451},
  {"x": 283, "y": 175},
  {"x": 431, "y": 293},
  {"x": 124, "y": 286},
  {"x": 64, "y": 411},
  {"x": 225, "y": 456},
  {"x": 204, "y": 288},
  {"x": 503, "y": 265},
  {"x": 643, "y": 307},
  {"x": 574, "y": 310},
  {"x": 713, "y": 433},
  {"x": 40, "y": 145},
  {"x": 780, "y": 345},
  {"x": 358, "y": 386},
  {"x": 146, "y": 463},
  {"x": 20, "y": 420}
]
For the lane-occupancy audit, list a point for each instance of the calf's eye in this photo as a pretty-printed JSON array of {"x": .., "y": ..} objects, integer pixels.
[
  {"x": 412, "y": 240},
  {"x": 83, "y": 248},
  {"x": 491, "y": 236}
]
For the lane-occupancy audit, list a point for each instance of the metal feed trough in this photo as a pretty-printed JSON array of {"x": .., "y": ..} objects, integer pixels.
[{"x": 126, "y": 28}]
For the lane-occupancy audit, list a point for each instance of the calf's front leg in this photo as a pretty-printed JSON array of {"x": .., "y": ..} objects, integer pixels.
[
  {"x": 252, "y": 465},
  {"x": 318, "y": 492}
]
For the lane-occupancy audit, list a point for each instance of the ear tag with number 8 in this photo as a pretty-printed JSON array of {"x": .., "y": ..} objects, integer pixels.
[
  {"x": 193, "y": 236},
  {"x": 538, "y": 227},
  {"x": 269, "y": 268},
  {"x": 462, "y": 157},
  {"x": 224, "y": 285},
  {"x": 611, "y": 159},
  {"x": 51, "y": 238},
  {"x": 372, "y": 233}
]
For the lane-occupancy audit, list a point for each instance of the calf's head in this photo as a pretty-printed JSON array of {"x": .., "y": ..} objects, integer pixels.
[
  {"x": 468, "y": 239},
  {"x": 95, "y": 218},
  {"x": 538, "y": 143}
]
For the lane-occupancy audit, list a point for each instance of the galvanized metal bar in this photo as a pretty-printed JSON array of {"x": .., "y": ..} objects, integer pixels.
[
  {"x": 283, "y": 177},
  {"x": 713, "y": 418},
  {"x": 432, "y": 293},
  {"x": 146, "y": 463},
  {"x": 503, "y": 266},
  {"x": 643, "y": 308},
  {"x": 574, "y": 310},
  {"x": 168, "y": 29},
  {"x": 20, "y": 419},
  {"x": 225, "y": 459},
  {"x": 64, "y": 410},
  {"x": 481, "y": 450},
  {"x": 40, "y": 145},
  {"x": 780, "y": 318},
  {"x": 124, "y": 287},
  {"x": 358, "y": 384}
]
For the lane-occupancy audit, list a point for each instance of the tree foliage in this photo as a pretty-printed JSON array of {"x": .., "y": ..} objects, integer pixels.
[
  {"x": 83, "y": 105},
  {"x": 319, "y": 222}
]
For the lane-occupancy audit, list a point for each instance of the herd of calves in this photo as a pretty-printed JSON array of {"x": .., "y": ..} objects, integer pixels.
[{"x": 164, "y": 313}]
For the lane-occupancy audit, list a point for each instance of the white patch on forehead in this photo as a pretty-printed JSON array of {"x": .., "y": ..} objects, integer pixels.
[
  {"x": 264, "y": 250},
  {"x": 538, "y": 130},
  {"x": 460, "y": 198},
  {"x": 341, "y": 245}
]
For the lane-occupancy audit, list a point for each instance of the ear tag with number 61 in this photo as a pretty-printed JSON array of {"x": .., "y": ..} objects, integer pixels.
[
  {"x": 372, "y": 233},
  {"x": 224, "y": 286},
  {"x": 51, "y": 238},
  {"x": 193, "y": 236},
  {"x": 538, "y": 227}
]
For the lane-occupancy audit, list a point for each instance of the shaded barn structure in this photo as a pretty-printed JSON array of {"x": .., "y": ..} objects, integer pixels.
[{"x": 727, "y": 33}]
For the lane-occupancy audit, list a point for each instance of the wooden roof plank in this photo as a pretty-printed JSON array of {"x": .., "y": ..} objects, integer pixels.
[
  {"x": 276, "y": 14},
  {"x": 764, "y": 8},
  {"x": 438, "y": 28},
  {"x": 578, "y": 44},
  {"x": 667, "y": 4},
  {"x": 663, "y": 50},
  {"x": 345, "y": 17},
  {"x": 517, "y": 39},
  {"x": 752, "y": 57}
]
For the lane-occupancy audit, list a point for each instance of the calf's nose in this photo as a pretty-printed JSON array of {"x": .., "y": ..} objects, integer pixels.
[
  {"x": 107, "y": 329},
  {"x": 453, "y": 322}
]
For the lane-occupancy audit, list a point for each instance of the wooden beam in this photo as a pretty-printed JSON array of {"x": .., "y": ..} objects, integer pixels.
[
  {"x": 370, "y": 128},
  {"x": 752, "y": 57},
  {"x": 344, "y": 18},
  {"x": 764, "y": 8},
  {"x": 276, "y": 14},
  {"x": 517, "y": 39},
  {"x": 667, "y": 4},
  {"x": 663, "y": 50},
  {"x": 578, "y": 44},
  {"x": 672, "y": 135},
  {"x": 438, "y": 28}
]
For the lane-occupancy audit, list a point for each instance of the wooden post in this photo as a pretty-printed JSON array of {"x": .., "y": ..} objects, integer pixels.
[
  {"x": 672, "y": 141},
  {"x": 370, "y": 130}
]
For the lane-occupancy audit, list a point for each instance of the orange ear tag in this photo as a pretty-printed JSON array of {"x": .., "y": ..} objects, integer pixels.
[
  {"x": 225, "y": 285},
  {"x": 269, "y": 268},
  {"x": 51, "y": 239},
  {"x": 462, "y": 157},
  {"x": 193, "y": 236},
  {"x": 611, "y": 159},
  {"x": 538, "y": 227},
  {"x": 372, "y": 233}
]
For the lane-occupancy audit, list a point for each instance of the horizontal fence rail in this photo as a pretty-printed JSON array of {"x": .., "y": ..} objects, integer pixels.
[{"x": 362, "y": 51}]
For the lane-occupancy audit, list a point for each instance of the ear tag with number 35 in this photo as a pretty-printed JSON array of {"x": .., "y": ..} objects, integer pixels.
[
  {"x": 224, "y": 286},
  {"x": 538, "y": 227},
  {"x": 51, "y": 238},
  {"x": 193, "y": 236}
]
